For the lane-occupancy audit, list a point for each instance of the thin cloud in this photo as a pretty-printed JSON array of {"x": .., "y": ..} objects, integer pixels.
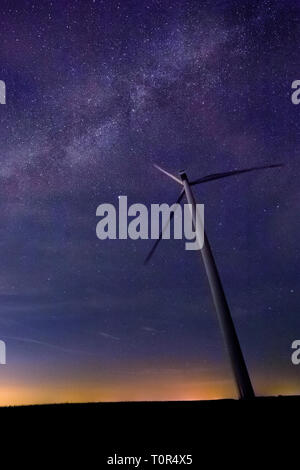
[
  {"x": 44, "y": 343},
  {"x": 106, "y": 335}
]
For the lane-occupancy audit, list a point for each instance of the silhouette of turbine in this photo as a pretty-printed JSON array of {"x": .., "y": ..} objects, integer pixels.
[{"x": 239, "y": 368}]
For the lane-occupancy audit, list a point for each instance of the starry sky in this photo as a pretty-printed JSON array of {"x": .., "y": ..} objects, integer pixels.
[{"x": 97, "y": 92}]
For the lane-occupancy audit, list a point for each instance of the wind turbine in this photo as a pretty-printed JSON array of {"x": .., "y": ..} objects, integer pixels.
[{"x": 232, "y": 344}]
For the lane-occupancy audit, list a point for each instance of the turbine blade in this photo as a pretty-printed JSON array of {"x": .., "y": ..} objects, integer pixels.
[
  {"x": 216, "y": 176},
  {"x": 168, "y": 174},
  {"x": 163, "y": 230}
]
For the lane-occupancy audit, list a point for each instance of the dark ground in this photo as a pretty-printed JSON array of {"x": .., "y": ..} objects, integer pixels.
[{"x": 224, "y": 433}]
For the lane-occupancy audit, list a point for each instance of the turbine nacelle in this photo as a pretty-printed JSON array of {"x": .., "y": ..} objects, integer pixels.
[{"x": 183, "y": 175}]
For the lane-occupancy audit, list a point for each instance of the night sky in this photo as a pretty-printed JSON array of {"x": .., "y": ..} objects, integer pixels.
[{"x": 97, "y": 92}]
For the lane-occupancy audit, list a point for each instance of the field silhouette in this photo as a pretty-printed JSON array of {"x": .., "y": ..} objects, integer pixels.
[{"x": 220, "y": 432}]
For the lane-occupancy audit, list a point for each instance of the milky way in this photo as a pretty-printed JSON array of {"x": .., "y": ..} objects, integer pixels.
[{"x": 98, "y": 91}]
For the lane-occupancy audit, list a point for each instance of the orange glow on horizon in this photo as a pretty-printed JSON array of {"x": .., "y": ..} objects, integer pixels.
[
  {"x": 136, "y": 382},
  {"x": 139, "y": 389}
]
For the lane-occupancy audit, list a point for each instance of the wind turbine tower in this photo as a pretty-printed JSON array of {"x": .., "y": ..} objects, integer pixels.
[{"x": 232, "y": 344}]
